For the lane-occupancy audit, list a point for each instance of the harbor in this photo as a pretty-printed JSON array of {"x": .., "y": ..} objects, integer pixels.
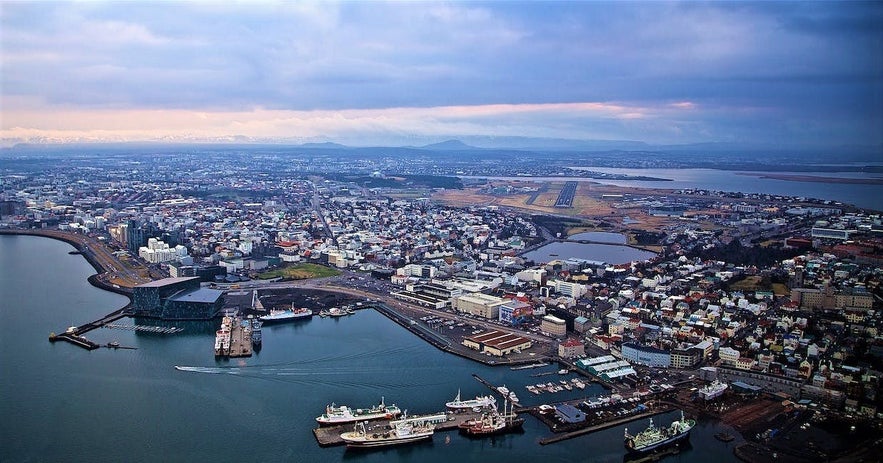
[{"x": 330, "y": 436}]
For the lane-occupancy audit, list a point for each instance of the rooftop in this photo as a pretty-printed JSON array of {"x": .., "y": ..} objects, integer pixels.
[
  {"x": 202, "y": 295},
  {"x": 165, "y": 282}
]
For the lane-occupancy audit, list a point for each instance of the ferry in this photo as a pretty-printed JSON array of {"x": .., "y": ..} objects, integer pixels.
[
  {"x": 399, "y": 432},
  {"x": 471, "y": 404},
  {"x": 654, "y": 438},
  {"x": 342, "y": 414},
  {"x": 286, "y": 315}
]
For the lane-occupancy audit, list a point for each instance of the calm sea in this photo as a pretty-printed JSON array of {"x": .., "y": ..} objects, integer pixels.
[{"x": 61, "y": 402}]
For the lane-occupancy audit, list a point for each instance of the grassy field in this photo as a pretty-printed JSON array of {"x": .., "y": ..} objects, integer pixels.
[
  {"x": 754, "y": 283},
  {"x": 300, "y": 272}
]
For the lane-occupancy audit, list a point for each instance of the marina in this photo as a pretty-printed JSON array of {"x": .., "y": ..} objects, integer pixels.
[{"x": 145, "y": 329}]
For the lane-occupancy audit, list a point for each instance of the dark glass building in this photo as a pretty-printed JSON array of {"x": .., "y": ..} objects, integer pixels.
[{"x": 177, "y": 299}]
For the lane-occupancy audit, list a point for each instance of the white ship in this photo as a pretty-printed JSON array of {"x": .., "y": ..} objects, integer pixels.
[
  {"x": 713, "y": 390},
  {"x": 342, "y": 414},
  {"x": 398, "y": 432},
  {"x": 486, "y": 401},
  {"x": 284, "y": 315}
]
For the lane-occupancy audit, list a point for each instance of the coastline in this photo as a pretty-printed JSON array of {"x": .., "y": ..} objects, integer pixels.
[
  {"x": 82, "y": 249},
  {"x": 817, "y": 179}
]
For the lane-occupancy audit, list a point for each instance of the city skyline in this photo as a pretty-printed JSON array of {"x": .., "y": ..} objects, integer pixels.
[{"x": 370, "y": 73}]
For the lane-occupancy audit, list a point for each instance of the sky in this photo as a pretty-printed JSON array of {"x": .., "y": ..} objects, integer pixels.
[{"x": 406, "y": 73}]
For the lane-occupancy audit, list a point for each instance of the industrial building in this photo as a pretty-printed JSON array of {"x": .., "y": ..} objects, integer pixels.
[
  {"x": 478, "y": 304},
  {"x": 497, "y": 343}
]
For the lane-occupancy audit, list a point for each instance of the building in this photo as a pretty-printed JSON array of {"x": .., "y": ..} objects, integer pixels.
[
  {"x": 569, "y": 414},
  {"x": 685, "y": 358},
  {"x": 571, "y": 348},
  {"x": 478, "y": 304},
  {"x": 646, "y": 355},
  {"x": 177, "y": 299},
  {"x": 137, "y": 234},
  {"x": 567, "y": 288},
  {"x": 581, "y": 324},
  {"x": 553, "y": 325},
  {"x": 728, "y": 355},
  {"x": 428, "y": 295},
  {"x": 768, "y": 382},
  {"x": 831, "y": 233},
  {"x": 514, "y": 312},
  {"x": 827, "y": 298},
  {"x": 497, "y": 343}
]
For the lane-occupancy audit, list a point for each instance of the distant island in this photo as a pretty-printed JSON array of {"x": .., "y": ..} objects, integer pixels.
[{"x": 818, "y": 179}]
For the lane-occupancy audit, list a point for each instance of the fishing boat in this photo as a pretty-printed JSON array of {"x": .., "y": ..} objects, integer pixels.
[
  {"x": 341, "y": 414},
  {"x": 477, "y": 403},
  {"x": 286, "y": 315},
  {"x": 492, "y": 422},
  {"x": 398, "y": 433},
  {"x": 654, "y": 437}
]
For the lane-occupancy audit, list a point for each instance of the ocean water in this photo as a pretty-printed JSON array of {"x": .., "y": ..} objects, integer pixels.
[{"x": 61, "y": 402}]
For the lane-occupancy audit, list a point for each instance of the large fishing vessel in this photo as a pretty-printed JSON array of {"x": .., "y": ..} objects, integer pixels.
[
  {"x": 341, "y": 414},
  {"x": 285, "y": 315},
  {"x": 654, "y": 438},
  {"x": 492, "y": 422},
  {"x": 222, "y": 337},
  {"x": 397, "y": 433},
  {"x": 471, "y": 404}
]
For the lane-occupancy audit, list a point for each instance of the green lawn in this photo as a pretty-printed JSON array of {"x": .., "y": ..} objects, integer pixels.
[{"x": 300, "y": 272}]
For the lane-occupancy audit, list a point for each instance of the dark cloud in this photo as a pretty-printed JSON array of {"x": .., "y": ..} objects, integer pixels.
[{"x": 746, "y": 66}]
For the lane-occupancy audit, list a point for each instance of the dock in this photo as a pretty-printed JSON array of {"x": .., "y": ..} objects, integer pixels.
[
  {"x": 240, "y": 340},
  {"x": 598, "y": 427},
  {"x": 330, "y": 436},
  {"x": 74, "y": 334}
]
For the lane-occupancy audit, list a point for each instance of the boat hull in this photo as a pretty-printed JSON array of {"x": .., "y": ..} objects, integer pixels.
[
  {"x": 357, "y": 442},
  {"x": 353, "y": 419},
  {"x": 284, "y": 319},
  {"x": 514, "y": 426},
  {"x": 672, "y": 441}
]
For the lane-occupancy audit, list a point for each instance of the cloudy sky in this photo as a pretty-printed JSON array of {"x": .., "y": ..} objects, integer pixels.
[{"x": 364, "y": 72}]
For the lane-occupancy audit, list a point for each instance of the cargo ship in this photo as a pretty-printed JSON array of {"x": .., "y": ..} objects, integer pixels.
[
  {"x": 654, "y": 437},
  {"x": 397, "y": 433},
  {"x": 471, "y": 404},
  {"x": 342, "y": 414},
  {"x": 286, "y": 315}
]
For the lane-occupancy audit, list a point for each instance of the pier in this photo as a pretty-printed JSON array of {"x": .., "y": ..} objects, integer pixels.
[
  {"x": 145, "y": 328},
  {"x": 330, "y": 436},
  {"x": 597, "y": 427},
  {"x": 74, "y": 334}
]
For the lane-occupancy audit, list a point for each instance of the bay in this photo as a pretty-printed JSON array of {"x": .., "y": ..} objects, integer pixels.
[{"x": 61, "y": 402}]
